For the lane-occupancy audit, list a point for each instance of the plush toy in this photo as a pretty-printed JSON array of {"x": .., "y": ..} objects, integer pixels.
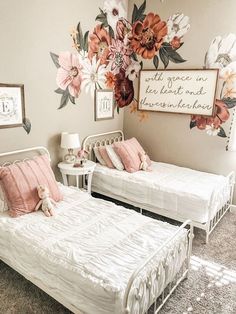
[
  {"x": 46, "y": 202},
  {"x": 144, "y": 164}
]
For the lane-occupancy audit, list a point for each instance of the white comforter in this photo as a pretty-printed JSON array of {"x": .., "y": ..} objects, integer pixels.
[
  {"x": 87, "y": 252},
  {"x": 184, "y": 192}
]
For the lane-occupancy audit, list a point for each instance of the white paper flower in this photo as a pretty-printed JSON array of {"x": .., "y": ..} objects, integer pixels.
[
  {"x": 178, "y": 25},
  {"x": 133, "y": 70},
  {"x": 93, "y": 75},
  {"x": 211, "y": 130},
  {"x": 115, "y": 9},
  {"x": 221, "y": 52},
  {"x": 228, "y": 74}
]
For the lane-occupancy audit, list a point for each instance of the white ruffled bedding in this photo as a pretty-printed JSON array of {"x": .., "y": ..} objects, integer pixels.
[
  {"x": 88, "y": 250},
  {"x": 182, "y": 191}
]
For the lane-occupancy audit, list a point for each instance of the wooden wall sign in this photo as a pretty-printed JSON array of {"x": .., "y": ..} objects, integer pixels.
[{"x": 178, "y": 91}]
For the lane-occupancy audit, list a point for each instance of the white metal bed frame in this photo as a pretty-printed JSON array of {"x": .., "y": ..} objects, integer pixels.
[
  {"x": 115, "y": 136},
  {"x": 156, "y": 304}
]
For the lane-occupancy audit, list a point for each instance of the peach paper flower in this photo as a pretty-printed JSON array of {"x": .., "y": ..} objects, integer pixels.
[
  {"x": 147, "y": 36},
  {"x": 99, "y": 44}
]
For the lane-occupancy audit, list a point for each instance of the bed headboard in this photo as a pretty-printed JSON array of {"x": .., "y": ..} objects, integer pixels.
[
  {"x": 101, "y": 139},
  {"x": 22, "y": 154}
]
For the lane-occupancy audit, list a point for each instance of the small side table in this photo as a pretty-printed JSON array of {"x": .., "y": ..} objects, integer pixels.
[{"x": 68, "y": 170}]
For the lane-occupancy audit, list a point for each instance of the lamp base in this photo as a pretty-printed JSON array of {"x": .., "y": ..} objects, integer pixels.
[{"x": 70, "y": 158}]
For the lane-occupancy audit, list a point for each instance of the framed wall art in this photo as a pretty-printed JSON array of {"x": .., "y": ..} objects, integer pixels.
[
  {"x": 12, "y": 105},
  {"x": 104, "y": 104},
  {"x": 178, "y": 91}
]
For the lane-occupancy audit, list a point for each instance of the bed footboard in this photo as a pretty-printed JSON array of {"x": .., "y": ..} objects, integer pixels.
[
  {"x": 212, "y": 222},
  {"x": 148, "y": 294}
]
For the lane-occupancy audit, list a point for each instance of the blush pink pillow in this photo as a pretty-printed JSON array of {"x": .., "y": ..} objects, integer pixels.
[
  {"x": 129, "y": 152},
  {"x": 105, "y": 156},
  {"x": 20, "y": 181}
]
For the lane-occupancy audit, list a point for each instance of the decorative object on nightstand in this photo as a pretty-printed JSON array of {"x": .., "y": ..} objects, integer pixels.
[
  {"x": 85, "y": 171},
  {"x": 82, "y": 158},
  {"x": 70, "y": 141}
]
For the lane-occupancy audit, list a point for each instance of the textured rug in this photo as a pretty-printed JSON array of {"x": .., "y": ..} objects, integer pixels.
[{"x": 210, "y": 288}]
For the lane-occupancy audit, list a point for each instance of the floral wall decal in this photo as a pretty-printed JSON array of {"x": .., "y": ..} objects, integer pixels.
[
  {"x": 222, "y": 55},
  {"x": 111, "y": 54}
]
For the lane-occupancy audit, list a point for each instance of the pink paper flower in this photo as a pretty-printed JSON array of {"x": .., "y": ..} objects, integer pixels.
[
  {"x": 69, "y": 73},
  {"x": 119, "y": 56}
]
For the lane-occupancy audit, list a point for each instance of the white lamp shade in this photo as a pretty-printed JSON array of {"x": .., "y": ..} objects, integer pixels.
[{"x": 69, "y": 140}]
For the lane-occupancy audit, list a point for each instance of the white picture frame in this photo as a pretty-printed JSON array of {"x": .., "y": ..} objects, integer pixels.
[
  {"x": 12, "y": 105},
  {"x": 104, "y": 104},
  {"x": 178, "y": 91}
]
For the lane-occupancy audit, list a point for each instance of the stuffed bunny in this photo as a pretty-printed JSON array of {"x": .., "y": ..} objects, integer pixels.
[
  {"x": 46, "y": 202},
  {"x": 144, "y": 164}
]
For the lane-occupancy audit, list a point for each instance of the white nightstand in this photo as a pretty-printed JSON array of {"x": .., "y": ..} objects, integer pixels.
[{"x": 69, "y": 170}]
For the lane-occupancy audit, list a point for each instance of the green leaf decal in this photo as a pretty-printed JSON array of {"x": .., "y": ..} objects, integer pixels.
[
  {"x": 64, "y": 99},
  {"x": 55, "y": 59},
  {"x": 80, "y": 38},
  {"x": 175, "y": 57},
  {"x": 138, "y": 13},
  {"x": 230, "y": 102},
  {"x": 72, "y": 99},
  {"x": 134, "y": 56},
  {"x": 59, "y": 91},
  {"x": 111, "y": 32},
  {"x": 192, "y": 124},
  {"x": 164, "y": 57},
  {"x": 86, "y": 41},
  {"x": 170, "y": 53},
  {"x": 156, "y": 61},
  {"x": 27, "y": 125},
  {"x": 222, "y": 132},
  {"x": 134, "y": 14},
  {"x": 102, "y": 17}
]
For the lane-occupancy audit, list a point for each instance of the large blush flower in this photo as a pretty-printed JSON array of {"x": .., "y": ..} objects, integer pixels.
[
  {"x": 124, "y": 90},
  {"x": 115, "y": 9},
  {"x": 221, "y": 52},
  {"x": 99, "y": 42},
  {"x": 93, "y": 75},
  {"x": 69, "y": 73},
  {"x": 147, "y": 36},
  {"x": 119, "y": 56},
  {"x": 178, "y": 25}
]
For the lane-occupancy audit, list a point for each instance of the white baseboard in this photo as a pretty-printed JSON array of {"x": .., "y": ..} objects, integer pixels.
[{"x": 233, "y": 208}]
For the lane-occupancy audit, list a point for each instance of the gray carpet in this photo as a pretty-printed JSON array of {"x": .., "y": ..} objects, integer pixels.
[{"x": 210, "y": 288}]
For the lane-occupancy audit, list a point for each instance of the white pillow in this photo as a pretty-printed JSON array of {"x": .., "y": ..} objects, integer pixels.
[
  {"x": 114, "y": 158},
  {"x": 3, "y": 201},
  {"x": 98, "y": 156}
]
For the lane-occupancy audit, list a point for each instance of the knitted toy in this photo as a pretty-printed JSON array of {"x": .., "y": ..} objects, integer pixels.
[
  {"x": 46, "y": 202},
  {"x": 144, "y": 164}
]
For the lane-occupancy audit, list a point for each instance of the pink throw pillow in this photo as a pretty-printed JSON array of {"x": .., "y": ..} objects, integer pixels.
[
  {"x": 129, "y": 152},
  {"x": 20, "y": 181},
  {"x": 105, "y": 156}
]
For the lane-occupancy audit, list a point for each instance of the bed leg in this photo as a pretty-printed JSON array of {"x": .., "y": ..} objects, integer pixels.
[
  {"x": 141, "y": 211},
  {"x": 207, "y": 237}
]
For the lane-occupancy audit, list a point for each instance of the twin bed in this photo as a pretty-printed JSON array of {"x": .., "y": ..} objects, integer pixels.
[
  {"x": 174, "y": 192},
  {"x": 97, "y": 257},
  {"x": 94, "y": 256}
]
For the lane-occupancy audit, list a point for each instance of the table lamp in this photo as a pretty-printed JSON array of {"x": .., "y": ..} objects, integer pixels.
[{"x": 70, "y": 141}]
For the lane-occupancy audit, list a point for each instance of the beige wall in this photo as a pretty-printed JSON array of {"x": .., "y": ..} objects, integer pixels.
[
  {"x": 29, "y": 30},
  {"x": 167, "y": 137}
]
